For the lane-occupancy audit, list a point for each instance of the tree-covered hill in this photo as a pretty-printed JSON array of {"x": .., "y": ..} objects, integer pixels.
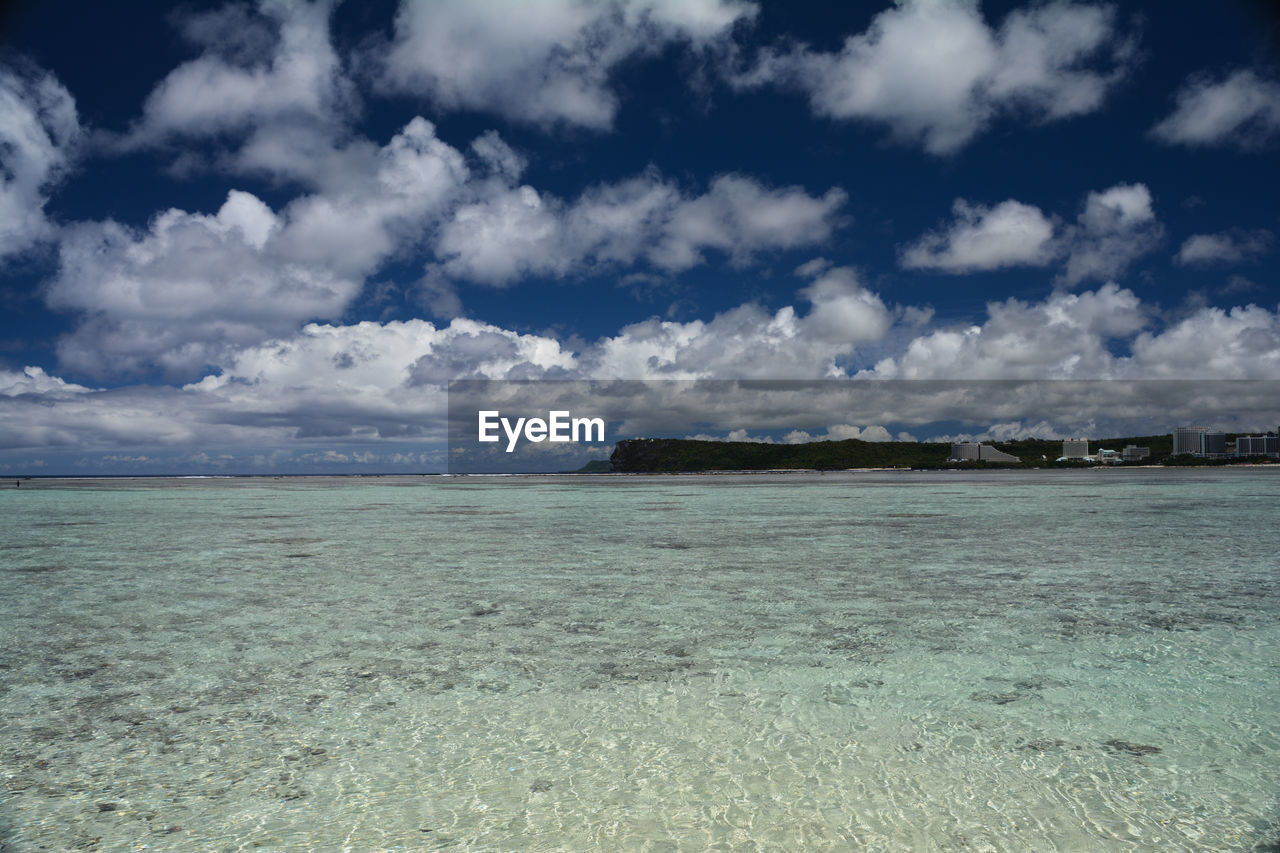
[{"x": 677, "y": 454}]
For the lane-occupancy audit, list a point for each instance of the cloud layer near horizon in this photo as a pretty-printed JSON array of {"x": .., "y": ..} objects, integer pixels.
[
  {"x": 234, "y": 321},
  {"x": 332, "y": 386}
]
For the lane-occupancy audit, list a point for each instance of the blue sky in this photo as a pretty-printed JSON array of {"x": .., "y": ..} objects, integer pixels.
[{"x": 262, "y": 237}]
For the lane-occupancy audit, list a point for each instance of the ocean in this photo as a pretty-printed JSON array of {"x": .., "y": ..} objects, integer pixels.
[{"x": 882, "y": 661}]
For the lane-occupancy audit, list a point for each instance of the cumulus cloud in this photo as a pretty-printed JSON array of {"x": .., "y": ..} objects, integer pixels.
[
  {"x": 501, "y": 158},
  {"x": 1237, "y": 343},
  {"x": 835, "y": 432},
  {"x": 191, "y": 287},
  {"x": 361, "y": 382},
  {"x": 268, "y": 88},
  {"x": 750, "y": 342},
  {"x": 413, "y": 181},
  {"x": 188, "y": 289},
  {"x": 33, "y": 381},
  {"x": 937, "y": 74},
  {"x": 517, "y": 231},
  {"x": 39, "y": 135},
  {"x": 339, "y": 391},
  {"x": 1116, "y": 227},
  {"x": 738, "y": 216},
  {"x": 983, "y": 238},
  {"x": 185, "y": 290},
  {"x": 1224, "y": 247},
  {"x": 229, "y": 88},
  {"x": 1076, "y": 336},
  {"x": 546, "y": 63},
  {"x": 843, "y": 432},
  {"x": 385, "y": 381},
  {"x": 1241, "y": 110},
  {"x": 1065, "y": 336},
  {"x": 377, "y": 380}
]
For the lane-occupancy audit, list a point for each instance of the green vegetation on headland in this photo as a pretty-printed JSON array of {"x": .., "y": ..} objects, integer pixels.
[
  {"x": 677, "y": 454},
  {"x": 653, "y": 455}
]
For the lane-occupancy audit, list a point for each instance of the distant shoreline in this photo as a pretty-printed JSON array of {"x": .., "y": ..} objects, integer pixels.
[{"x": 8, "y": 483}]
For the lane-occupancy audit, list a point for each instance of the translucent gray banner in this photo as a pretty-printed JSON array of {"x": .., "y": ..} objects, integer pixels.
[{"x": 557, "y": 426}]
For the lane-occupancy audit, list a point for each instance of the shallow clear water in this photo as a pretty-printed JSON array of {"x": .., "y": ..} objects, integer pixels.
[{"x": 1069, "y": 661}]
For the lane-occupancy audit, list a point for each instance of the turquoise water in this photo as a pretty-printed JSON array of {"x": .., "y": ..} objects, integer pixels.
[{"x": 1056, "y": 661}]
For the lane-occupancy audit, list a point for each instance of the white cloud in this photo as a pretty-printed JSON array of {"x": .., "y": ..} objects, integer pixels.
[
  {"x": 191, "y": 287},
  {"x": 843, "y": 432},
  {"x": 1224, "y": 247},
  {"x": 1242, "y": 110},
  {"x": 844, "y": 312},
  {"x": 98, "y": 419},
  {"x": 344, "y": 389},
  {"x": 748, "y": 341},
  {"x": 835, "y": 432},
  {"x": 1045, "y": 54},
  {"x": 508, "y": 235},
  {"x": 371, "y": 381},
  {"x": 185, "y": 290},
  {"x": 515, "y": 231},
  {"x": 501, "y": 158},
  {"x": 33, "y": 381},
  {"x": 365, "y": 382},
  {"x": 1065, "y": 336},
  {"x": 1239, "y": 343},
  {"x": 268, "y": 88},
  {"x": 936, "y": 74},
  {"x": 739, "y": 435},
  {"x": 1117, "y": 227},
  {"x": 228, "y": 88},
  {"x": 983, "y": 238},
  {"x": 39, "y": 134},
  {"x": 738, "y": 216},
  {"x": 1072, "y": 336},
  {"x": 543, "y": 63},
  {"x": 380, "y": 379},
  {"x": 413, "y": 181}
]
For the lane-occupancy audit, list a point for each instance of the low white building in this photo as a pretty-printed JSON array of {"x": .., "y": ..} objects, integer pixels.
[
  {"x": 1134, "y": 453},
  {"x": 969, "y": 451},
  {"x": 1258, "y": 445}
]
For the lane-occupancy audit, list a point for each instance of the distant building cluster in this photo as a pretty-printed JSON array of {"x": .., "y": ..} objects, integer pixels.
[
  {"x": 968, "y": 451},
  {"x": 1198, "y": 441},
  {"x": 1206, "y": 443},
  {"x": 1077, "y": 450}
]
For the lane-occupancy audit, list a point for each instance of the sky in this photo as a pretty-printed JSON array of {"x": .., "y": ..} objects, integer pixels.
[{"x": 263, "y": 238}]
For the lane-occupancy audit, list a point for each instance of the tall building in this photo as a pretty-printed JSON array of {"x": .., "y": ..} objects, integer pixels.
[
  {"x": 1187, "y": 439},
  {"x": 1075, "y": 448},
  {"x": 1213, "y": 443}
]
